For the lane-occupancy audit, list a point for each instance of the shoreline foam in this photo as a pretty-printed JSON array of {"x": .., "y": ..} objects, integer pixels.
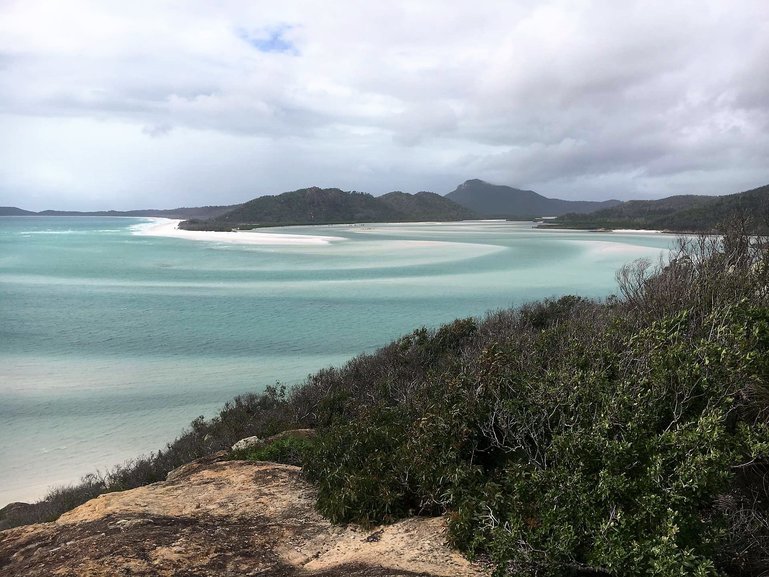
[{"x": 169, "y": 228}]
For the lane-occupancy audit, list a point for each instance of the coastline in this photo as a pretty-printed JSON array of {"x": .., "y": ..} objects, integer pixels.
[
  {"x": 167, "y": 227},
  {"x": 163, "y": 276},
  {"x": 640, "y": 231}
]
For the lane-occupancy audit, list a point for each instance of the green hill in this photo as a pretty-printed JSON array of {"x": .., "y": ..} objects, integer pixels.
[
  {"x": 309, "y": 206},
  {"x": 183, "y": 212},
  {"x": 13, "y": 211},
  {"x": 497, "y": 201},
  {"x": 424, "y": 206},
  {"x": 333, "y": 206},
  {"x": 687, "y": 213}
]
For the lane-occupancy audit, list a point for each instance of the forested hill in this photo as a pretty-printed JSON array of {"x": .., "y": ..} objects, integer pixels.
[
  {"x": 497, "y": 201},
  {"x": 426, "y": 206},
  {"x": 13, "y": 211},
  {"x": 182, "y": 212},
  {"x": 679, "y": 213},
  {"x": 332, "y": 205}
]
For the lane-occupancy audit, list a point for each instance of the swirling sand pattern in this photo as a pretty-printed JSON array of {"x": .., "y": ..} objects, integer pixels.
[{"x": 112, "y": 339}]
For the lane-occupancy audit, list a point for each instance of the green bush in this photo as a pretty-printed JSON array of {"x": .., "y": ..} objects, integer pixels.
[
  {"x": 629, "y": 438},
  {"x": 289, "y": 451}
]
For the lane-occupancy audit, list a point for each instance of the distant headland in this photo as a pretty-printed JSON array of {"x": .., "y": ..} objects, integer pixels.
[{"x": 473, "y": 199}]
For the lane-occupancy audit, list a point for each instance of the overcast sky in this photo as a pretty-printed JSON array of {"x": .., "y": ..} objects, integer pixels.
[{"x": 136, "y": 104}]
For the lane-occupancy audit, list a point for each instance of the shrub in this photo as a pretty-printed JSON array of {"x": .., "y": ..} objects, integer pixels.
[
  {"x": 624, "y": 438},
  {"x": 289, "y": 451}
]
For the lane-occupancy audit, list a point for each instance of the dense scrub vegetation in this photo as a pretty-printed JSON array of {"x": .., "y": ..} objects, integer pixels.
[
  {"x": 567, "y": 437},
  {"x": 289, "y": 450}
]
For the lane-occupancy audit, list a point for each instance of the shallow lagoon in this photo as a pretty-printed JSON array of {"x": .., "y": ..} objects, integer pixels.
[{"x": 112, "y": 339}]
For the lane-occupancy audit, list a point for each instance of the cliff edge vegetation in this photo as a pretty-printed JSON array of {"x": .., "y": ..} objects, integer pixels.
[{"x": 567, "y": 437}]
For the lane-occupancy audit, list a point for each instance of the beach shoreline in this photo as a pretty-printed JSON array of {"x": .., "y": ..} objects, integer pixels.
[{"x": 169, "y": 228}]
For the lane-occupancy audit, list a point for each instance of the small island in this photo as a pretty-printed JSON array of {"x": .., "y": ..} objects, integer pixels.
[{"x": 333, "y": 206}]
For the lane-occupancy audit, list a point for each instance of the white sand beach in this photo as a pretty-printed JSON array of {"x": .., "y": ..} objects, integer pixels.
[
  {"x": 169, "y": 228},
  {"x": 636, "y": 231}
]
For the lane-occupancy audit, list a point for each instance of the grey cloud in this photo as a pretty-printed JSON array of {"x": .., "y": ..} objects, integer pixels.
[
  {"x": 614, "y": 98},
  {"x": 420, "y": 121}
]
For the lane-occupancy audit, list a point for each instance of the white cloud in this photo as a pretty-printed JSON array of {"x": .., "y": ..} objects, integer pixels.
[{"x": 116, "y": 102}]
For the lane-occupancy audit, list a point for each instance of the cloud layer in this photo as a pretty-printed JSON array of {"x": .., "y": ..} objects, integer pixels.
[{"x": 107, "y": 104}]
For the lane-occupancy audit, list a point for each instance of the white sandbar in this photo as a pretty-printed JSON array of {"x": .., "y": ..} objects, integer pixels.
[
  {"x": 636, "y": 230},
  {"x": 169, "y": 228},
  {"x": 600, "y": 248}
]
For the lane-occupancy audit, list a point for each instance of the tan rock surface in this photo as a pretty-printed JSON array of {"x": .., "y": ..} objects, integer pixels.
[{"x": 220, "y": 519}]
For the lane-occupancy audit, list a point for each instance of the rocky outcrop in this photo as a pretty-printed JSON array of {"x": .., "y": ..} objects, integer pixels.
[
  {"x": 246, "y": 443},
  {"x": 222, "y": 518},
  {"x": 188, "y": 469},
  {"x": 12, "y": 510}
]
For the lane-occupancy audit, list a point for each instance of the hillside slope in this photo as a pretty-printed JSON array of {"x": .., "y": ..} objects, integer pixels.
[
  {"x": 310, "y": 206},
  {"x": 679, "y": 213},
  {"x": 13, "y": 211},
  {"x": 332, "y": 206},
  {"x": 498, "y": 201},
  {"x": 182, "y": 212},
  {"x": 426, "y": 206}
]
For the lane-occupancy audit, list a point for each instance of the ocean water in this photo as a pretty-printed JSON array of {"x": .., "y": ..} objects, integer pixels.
[{"x": 112, "y": 339}]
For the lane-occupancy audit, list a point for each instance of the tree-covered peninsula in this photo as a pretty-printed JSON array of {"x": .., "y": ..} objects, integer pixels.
[{"x": 684, "y": 213}]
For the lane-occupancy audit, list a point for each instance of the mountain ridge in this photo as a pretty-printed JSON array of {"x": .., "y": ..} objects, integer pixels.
[
  {"x": 15, "y": 211},
  {"x": 501, "y": 201},
  {"x": 472, "y": 199},
  {"x": 317, "y": 205},
  {"x": 181, "y": 212},
  {"x": 682, "y": 213}
]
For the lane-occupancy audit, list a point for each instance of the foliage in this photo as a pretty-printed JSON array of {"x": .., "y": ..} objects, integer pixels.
[
  {"x": 424, "y": 206},
  {"x": 571, "y": 437},
  {"x": 288, "y": 450}
]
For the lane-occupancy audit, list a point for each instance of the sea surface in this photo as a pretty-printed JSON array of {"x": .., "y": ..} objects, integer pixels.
[{"x": 112, "y": 340}]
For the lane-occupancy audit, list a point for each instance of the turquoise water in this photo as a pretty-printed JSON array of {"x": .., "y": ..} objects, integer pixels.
[{"x": 111, "y": 341}]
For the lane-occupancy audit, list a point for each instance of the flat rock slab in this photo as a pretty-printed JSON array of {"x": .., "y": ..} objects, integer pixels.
[{"x": 226, "y": 518}]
